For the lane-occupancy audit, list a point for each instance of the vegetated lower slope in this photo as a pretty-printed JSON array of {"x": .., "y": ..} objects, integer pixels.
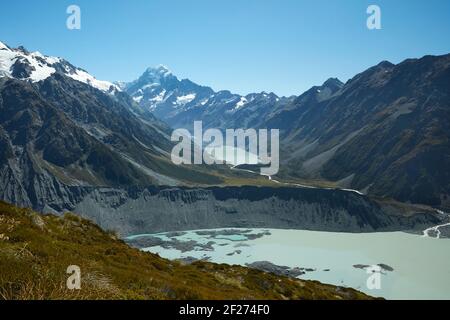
[{"x": 35, "y": 251}]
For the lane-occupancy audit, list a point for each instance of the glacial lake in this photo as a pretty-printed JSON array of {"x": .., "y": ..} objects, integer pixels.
[{"x": 415, "y": 267}]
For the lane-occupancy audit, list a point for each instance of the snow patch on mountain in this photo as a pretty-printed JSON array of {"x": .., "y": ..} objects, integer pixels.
[
  {"x": 138, "y": 98},
  {"x": 39, "y": 67},
  {"x": 6, "y": 61},
  {"x": 162, "y": 70},
  {"x": 186, "y": 99},
  {"x": 34, "y": 66},
  {"x": 48, "y": 59},
  {"x": 242, "y": 102},
  {"x": 3, "y": 46},
  {"x": 159, "y": 97},
  {"x": 42, "y": 72},
  {"x": 85, "y": 77}
]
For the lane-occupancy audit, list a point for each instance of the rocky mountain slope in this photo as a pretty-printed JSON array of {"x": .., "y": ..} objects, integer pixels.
[
  {"x": 35, "y": 252},
  {"x": 385, "y": 132},
  {"x": 58, "y": 130}
]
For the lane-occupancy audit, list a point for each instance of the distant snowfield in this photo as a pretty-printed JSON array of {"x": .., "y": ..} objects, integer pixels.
[
  {"x": 83, "y": 76},
  {"x": 44, "y": 66},
  {"x": 8, "y": 57},
  {"x": 421, "y": 266},
  {"x": 186, "y": 99},
  {"x": 240, "y": 103}
]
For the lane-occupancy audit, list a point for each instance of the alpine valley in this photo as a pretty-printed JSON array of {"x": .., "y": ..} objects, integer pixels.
[{"x": 368, "y": 155}]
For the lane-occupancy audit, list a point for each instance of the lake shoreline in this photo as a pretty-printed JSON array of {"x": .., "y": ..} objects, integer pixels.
[{"x": 413, "y": 266}]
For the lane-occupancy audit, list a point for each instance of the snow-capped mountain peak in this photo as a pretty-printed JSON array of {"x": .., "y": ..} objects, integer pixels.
[
  {"x": 159, "y": 70},
  {"x": 4, "y": 46},
  {"x": 155, "y": 75},
  {"x": 21, "y": 64},
  {"x": 158, "y": 89},
  {"x": 181, "y": 102},
  {"x": 34, "y": 66}
]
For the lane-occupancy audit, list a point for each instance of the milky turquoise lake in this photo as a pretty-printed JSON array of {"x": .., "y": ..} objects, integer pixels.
[{"x": 421, "y": 265}]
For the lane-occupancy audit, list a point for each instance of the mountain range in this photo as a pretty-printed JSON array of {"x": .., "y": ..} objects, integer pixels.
[
  {"x": 61, "y": 127},
  {"x": 70, "y": 142},
  {"x": 385, "y": 132}
]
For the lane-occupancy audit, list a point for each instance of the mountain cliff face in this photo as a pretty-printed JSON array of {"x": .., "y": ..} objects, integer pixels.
[
  {"x": 157, "y": 209},
  {"x": 386, "y": 131}
]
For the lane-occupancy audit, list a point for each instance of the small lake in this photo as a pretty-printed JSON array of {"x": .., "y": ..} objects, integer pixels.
[{"x": 413, "y": 267}]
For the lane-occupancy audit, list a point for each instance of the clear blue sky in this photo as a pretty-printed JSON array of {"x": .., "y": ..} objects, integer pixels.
[{"x": 284, "y": 46}]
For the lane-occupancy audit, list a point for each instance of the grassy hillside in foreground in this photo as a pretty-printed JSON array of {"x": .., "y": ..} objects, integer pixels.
[{"x": 35, "y": 251}]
